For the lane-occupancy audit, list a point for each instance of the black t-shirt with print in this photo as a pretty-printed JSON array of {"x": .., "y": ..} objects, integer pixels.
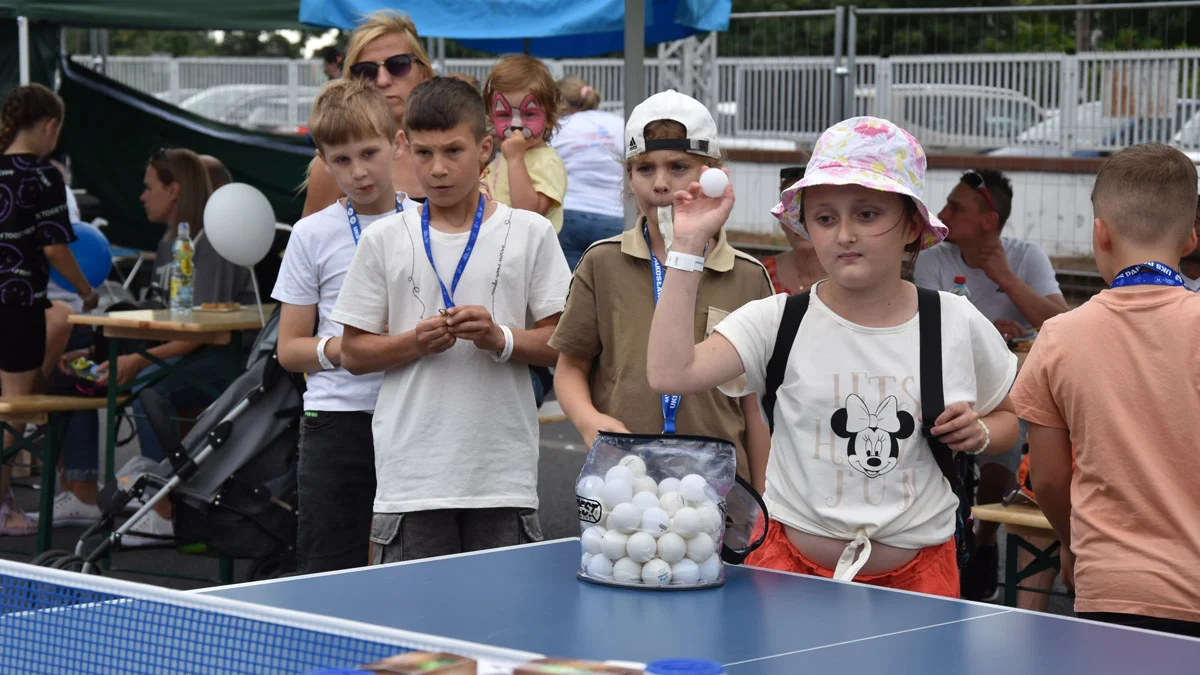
[{"x": 33, "y": 214}]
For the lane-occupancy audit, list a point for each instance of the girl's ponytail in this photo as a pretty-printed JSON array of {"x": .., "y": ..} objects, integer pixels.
[{"x": 24, "y": 107}]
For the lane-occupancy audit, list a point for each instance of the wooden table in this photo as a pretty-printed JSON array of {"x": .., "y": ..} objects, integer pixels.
[
  {"x": 218, "y": 329},
  {"x": 1023, "y": 523}
]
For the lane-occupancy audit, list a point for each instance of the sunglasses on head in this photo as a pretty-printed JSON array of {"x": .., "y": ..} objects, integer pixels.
[
  {"x": 397, "y": 66},
  {"x": 975, "y": 181}
]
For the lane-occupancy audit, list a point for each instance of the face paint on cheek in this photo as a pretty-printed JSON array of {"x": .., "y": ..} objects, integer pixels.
[
  {"x": 533, "y": 117},
  {"x": 502, "y": 117}
]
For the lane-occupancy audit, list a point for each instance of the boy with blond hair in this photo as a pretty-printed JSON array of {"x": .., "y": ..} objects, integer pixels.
[{"x": 1119, "y": 379}]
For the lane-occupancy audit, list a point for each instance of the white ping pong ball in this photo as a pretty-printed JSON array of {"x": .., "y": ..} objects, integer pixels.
[
  {"x": 710, "y": 570},
  {"x": 627, "y": 570},
  {"x": 613, "y": 545},
  {"x": 645, "y": 500},
  {"x": 625, "y": 517},
  {"x": 685, "y": 572},
  {"x": 635, "y": 465},
  {"x": 655, "y": 522},
  {"x": 645, "y": 484},
  {"x": 671, "y": 502},
  {"x": 617, "y": 492},
  {"x": 700, "y": 547},
  {"x": 713, "y": 182},
  {"x": 692, "y": 488},
  {"x": 591, "y": 539},
  {"x": 668, "y": 485},
  {"x": 600, "y": 567},
  {"x": 671, "y": 547},
  {"x": 656, "y": 572},
  {"x": 686, "y": 522},
  {"x": 641, "y": 547},
  {"x": 583, "y": 562},
  {"x": 710, "y": 518},
  {"x": 591, "y": 487},
  {"x": 621, "y": 473}
]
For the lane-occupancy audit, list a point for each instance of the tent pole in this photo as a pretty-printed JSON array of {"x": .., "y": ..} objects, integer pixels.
[
  {"x": 635, "y": 54},
  {"x": 23, "y": 49}
]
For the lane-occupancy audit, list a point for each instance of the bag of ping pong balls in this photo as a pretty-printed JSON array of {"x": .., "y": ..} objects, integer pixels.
[{"x": 652, "y": 510}]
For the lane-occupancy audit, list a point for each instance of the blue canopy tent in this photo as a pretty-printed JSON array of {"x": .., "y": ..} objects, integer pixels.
[{"x": 545, "y": 28}]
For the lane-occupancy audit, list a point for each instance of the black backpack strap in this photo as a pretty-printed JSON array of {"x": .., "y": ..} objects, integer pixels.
[
  {"x": 929, "y": 309},
  {"x": 793, "y": 313}
]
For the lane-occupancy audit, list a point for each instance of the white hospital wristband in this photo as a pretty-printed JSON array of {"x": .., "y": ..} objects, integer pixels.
[
  {"x": 685, "y": 261},
  {"x": 326, "y": 364},
  {"x": 505, "y": 355}
]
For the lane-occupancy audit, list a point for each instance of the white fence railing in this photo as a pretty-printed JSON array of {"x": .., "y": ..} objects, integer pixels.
[{"x": 1036, "y": 103}]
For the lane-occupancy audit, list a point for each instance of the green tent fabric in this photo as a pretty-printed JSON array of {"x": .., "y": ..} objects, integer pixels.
[
  {"x": 43, "y": 54},
  {"x": 112, "y": 130},
  {"x": 159, "y": 14}
]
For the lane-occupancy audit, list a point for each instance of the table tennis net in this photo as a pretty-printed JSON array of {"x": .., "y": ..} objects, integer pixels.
[{"x": 61, "y": 622}]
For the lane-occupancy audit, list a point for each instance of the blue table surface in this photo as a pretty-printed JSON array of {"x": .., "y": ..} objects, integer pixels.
[{"x": 759, "y": 623}]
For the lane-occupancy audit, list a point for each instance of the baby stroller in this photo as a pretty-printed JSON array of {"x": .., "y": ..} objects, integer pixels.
[{"x": 231, "y": 480}]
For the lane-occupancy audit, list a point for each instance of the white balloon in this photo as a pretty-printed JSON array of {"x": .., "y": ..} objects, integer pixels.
[{"x": 239, "y": 223}]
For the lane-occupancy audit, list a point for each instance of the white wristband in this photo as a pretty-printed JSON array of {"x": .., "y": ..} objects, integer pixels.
[
  {"x": 505, "y": 355},
  {"x": 326, "y": 364},
  {"x": 685, "y": 261}
]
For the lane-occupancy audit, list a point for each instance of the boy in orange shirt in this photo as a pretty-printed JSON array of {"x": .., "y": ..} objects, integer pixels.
[{"x": 1119, "y": 378}]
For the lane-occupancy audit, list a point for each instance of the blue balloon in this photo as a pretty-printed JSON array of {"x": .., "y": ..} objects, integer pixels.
[{"x": 93, "y": 254}]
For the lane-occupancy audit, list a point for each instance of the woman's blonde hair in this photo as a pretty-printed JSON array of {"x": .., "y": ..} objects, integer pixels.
[
  {"x": 519, "y": 71},
  {"x": 579, "y": 95},
  {"x": 350, "y": 110},
  {"x": 182, "y": 166},
  {"x": 386, "y": 22}
]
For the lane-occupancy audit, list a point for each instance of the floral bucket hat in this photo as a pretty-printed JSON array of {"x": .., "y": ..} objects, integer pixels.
[{"x": 870, "y": 152}]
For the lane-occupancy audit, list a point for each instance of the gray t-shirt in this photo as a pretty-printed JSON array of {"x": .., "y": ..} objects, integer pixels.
[
  {"x": 214, "y": 279},
  {"x": 937, "y": 267}
]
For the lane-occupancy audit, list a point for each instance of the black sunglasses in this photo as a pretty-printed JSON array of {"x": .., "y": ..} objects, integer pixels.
[
  {"x": 397, "y": 66},
  {"x": 975, "y": 181}
]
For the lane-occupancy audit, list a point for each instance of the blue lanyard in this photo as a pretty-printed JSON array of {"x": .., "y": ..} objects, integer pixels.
[
  {"x": 670, "y": 402},
  {"x": 1151, "y": 273},
  {"x": 352, "y": 216},
  {"x": 448, "y": 295}
]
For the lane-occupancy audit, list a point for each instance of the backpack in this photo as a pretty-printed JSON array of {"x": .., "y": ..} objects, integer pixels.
[{"x": 958, "y": 468}]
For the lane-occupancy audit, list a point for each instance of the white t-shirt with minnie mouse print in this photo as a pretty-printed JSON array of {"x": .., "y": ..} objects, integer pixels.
[{"x": 847, "y": 453}]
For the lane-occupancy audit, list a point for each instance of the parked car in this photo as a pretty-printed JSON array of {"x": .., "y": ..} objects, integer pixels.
[
  {"x": 955, "y": 115},
  {"x": 255, "y": 106},
  {"x": 1099, "y": 135}
]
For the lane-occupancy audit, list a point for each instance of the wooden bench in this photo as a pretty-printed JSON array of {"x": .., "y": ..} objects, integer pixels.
[
  {"x": 50, "y": 414},
  {"x": 1023, "y": 523}
]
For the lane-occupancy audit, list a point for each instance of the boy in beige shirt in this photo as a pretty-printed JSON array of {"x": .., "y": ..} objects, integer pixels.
[{"x": 1119, "y": 379}]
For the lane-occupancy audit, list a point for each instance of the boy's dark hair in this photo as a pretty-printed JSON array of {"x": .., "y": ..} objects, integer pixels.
[
  {"x": 442, "y": 103},
  {"x": 1147, "y": 193},
  {"x": 332, "y": 54},
  {"x": 24, "y": 107},
  {"x": 1000, "y": 190}
]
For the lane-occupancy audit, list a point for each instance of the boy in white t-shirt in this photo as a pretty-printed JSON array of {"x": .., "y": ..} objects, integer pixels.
[
  {"x": 356, "y": 136},
  {"x": 453, "y": 303}
]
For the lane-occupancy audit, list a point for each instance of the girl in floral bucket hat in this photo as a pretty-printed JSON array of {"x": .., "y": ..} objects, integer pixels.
[{"x": 853, "y": 488}]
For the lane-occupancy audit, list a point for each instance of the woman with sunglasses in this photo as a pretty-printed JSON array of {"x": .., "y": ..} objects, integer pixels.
[{"x": 385, "y": 50}]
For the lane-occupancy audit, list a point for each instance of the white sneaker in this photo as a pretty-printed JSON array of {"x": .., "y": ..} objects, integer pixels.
[
  {"x": 70, "y": 511},
  {"x": 151, "y": 529}
]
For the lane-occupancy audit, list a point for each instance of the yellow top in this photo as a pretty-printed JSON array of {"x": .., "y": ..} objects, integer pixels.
[{"x": 547, "y": 171}]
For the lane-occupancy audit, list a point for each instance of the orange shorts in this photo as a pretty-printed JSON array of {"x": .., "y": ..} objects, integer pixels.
[{"x": 934, "y": 571}]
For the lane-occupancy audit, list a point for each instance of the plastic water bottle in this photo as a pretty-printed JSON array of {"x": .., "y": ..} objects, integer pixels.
[
  {"x": 960, "y": 287},
  {"x": 181, "y": 271}
]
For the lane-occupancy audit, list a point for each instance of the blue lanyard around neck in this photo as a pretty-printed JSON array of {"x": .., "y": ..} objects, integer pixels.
[
  {"x": 352, "y": 216},
  {"x": 670, "y": 402},
  {"x": 448, "y": 295},
  {"x": 1148, "y": 273}
]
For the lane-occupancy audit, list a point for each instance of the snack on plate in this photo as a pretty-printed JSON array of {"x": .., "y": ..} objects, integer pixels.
[
  {"x": 423, "y": 663},
  {"x": 220, "y": 305},
  {"x": 573, "y": 667}
]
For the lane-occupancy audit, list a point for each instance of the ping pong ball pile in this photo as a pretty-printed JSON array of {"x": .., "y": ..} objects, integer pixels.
[{"x": 653, "y": 534}]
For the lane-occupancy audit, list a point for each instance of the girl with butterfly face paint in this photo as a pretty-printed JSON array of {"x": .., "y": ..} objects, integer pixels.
[{"x": 525, "y": 104}]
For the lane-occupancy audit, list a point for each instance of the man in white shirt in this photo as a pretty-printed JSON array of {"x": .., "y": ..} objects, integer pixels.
[
  {"x": 1013, "y": 284},
  {"x": 1189, "y": 267}
]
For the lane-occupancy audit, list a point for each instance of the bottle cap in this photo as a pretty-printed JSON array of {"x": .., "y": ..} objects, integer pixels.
[
  {"x": 684, "y": 667},
  {"x": 184, "y": 229},
  {"x": 960, "y": 280}
]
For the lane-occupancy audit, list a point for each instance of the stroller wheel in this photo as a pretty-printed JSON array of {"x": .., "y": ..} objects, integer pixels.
[
  {"x": 46, "y": 558},
  {"x": 266, "y": 568},
  {"x": 68, "y": 563}
]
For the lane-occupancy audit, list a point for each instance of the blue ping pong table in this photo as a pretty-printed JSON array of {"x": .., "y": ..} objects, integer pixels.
[{"x": 759, "y": 623}]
